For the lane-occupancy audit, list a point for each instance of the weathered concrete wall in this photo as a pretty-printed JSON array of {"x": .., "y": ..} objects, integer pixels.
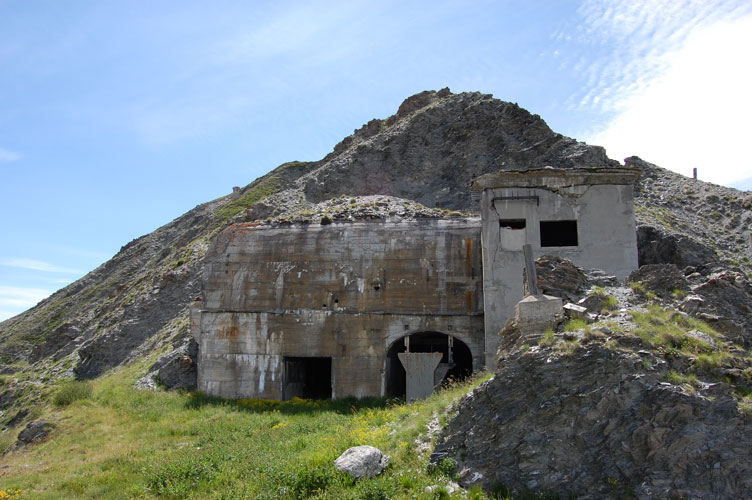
[
  {"x": 344, "y": 290},
  {"x": 601, "y": 203}
]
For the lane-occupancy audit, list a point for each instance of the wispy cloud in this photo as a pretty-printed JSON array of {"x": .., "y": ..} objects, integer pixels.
[
  {"x": 21, "y": 298},
  {"x": 38, "y": 265},
  {"x": 59, "y": 282},
  {"x": 695, "y": 112},
  {"x": 7, "y": 156},
  {"x": 635, "y": 42}
]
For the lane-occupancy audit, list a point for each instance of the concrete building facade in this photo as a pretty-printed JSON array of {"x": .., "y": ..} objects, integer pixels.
[
  {"x": 314, "y": 310},
  {"x": 322, "y": 311},
  {"x": 586, "y": 216}
]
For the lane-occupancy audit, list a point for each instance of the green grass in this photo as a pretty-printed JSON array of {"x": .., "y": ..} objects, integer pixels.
[
  {"x": 576, "y": 324},
  {"x": 70, "y": 392},
  {"x": 687, "y": 379},
  {"x": 262, "y": 189},
  {"x": 637, "y": 287},
  {"x": 610, "y": 302},
  {"x": 124, "y": 443},
  {"x": 666, "y": 330},
  {"x": 549, "y": 337}
]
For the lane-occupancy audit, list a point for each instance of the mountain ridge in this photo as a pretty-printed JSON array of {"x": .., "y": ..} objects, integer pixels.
[{"x": 136, "y": 303}]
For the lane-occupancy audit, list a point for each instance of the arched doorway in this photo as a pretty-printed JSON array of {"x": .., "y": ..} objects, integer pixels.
[{"x": 458, "y": 366}]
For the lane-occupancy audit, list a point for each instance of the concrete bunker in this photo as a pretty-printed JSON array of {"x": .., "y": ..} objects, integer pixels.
[
  {"x": 456, "y": 362},
  {"x": 276, "y": 295},
  {"x": 585, "y": 215},
  {"x": 323, "y": 310}
]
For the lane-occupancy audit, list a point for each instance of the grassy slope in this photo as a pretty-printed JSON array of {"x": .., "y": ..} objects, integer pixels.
[{"x": 122, "y": 443}]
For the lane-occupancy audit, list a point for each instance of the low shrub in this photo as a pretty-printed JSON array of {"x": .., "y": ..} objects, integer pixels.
[{"x": 71, "y": 392}]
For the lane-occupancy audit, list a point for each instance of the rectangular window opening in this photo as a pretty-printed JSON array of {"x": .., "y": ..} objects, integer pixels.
[
  {"x": 512, "y": 223},
  {"x": 308, "y": 378},
  {"x": 558, "y": 233}
]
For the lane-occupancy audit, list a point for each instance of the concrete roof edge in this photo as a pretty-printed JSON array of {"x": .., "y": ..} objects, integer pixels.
[{"x": 532, "y": 177}]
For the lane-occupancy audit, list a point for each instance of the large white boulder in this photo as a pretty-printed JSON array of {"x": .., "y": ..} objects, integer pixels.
[{"x": 362, "y": 461}]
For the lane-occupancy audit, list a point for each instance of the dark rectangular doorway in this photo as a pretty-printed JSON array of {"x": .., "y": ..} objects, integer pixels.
[{"x": 308, "y": 378}]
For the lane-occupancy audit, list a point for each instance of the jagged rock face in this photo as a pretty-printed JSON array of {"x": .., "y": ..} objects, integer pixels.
[
  {"x": 662, "y": 279},
  {"x": 657, "y": 246},
  {"x": 727, "y": 304},
  {"x": 118, "y": 342},
  {"x": 688, "y": 222},
  {"x": 598, "y": 423},
  {"x": 559, "y": 277},
  {"x": 177, "y": 370},
  {"x": 437, "y": 144}
]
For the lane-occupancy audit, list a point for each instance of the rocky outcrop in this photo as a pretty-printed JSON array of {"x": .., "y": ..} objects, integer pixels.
[
  {"x": 436, "y": 144},
  {"x": 726, "y": 304},
  {"x": 657, "y": 246},
  {"x": 177, "y": 370},
  {"x": 722, "y": 298},
  {"x": 559, "y": 277},
  {"x": 34, "y": 432},
  {"x": 665, "y": 280},
  {"x": 688, "y": 222},
  {"x": 597, "y": 419}
]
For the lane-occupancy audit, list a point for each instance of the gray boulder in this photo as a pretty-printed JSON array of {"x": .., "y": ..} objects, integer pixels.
[
  {"x": 362, "y": 461},
  {"x": 657, "y": 246},
  {"x": 34, "y": 432},
  {"x": 559, "y": 277},
  {"x": 176, "y": 370},
  {"x": 662, "y": 279}
]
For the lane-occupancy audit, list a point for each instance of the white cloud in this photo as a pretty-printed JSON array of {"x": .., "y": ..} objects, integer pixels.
[
  {"x": 696, "y": 112},
  {"x": 634, "y": 42},
  {"x": 7, "y": 156},
  {"x": 20, "y": 297},
  {"x": 38, "y": 265}
]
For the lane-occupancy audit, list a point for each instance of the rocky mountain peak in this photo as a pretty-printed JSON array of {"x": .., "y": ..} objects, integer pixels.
[
  {"x": 436, "y": 144},
  {"x": 428, "y": 152}
]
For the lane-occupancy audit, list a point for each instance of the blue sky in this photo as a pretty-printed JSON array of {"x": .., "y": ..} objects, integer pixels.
[{"x": 117, "y": 117}]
